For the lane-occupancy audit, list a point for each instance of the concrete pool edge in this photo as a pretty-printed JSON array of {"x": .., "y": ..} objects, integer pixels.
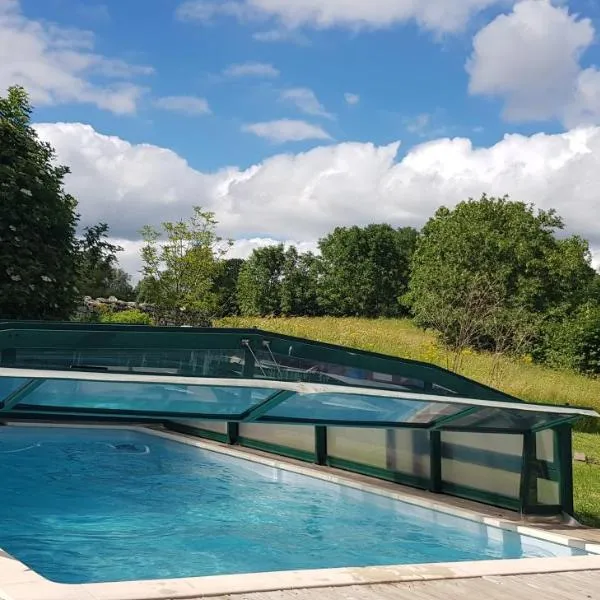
[{"x": 18, "y": 582}]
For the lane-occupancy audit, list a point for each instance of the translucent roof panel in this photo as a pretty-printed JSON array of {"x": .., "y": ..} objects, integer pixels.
[
  {"x": 493, "y": 419},
  {"x": 8, "y": 385},
  {"x": 142, "y": 398},
  {"x": 331, "y": 407},
  {"x": 247, "y": 400},
  {"x": 243, "y": 375}
]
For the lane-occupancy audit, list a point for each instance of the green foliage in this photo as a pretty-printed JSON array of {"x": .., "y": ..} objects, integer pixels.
[
  {"x": 181, "y": 264},
  {"x": 99, "y": 275},
  {"x": 276, "y": 281},
  {"x": 298, "y": 294},
  {"x": 574, "y": 343},
  {"x": 259, "y": 282},
  {"x": 489, "y": 271},
  {"x": 38, "y": 260},
  {"x": 128, "y": 317},
  {"x": 365, "y": 270},
  {"x": 226, "y": 286}
]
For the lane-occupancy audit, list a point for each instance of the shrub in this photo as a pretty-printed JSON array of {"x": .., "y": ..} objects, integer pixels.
[
  {"x": 128, "y": 317},
  {"x": 575, "y": 342}
]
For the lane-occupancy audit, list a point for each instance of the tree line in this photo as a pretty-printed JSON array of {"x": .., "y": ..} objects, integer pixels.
[{"x": 490, "y": 273}]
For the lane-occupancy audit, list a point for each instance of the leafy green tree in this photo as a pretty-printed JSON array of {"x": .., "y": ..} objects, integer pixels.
[
  {"x": 38, "y": 254},
  {"x": 365, "y": 270},
  {"x": 226, "y": 286},
  {"x": 490, "y": 262},
  {"x": 119, "y": 285},
  {"x": 259, "y": 282},
  {"x": 181, "y": 263},
  {"x": 99, "y": 275},
  {"x": 298, "y": 293},
  {"x": 574, "y": 342}
]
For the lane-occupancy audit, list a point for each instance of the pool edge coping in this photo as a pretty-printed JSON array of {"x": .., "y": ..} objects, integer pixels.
[{"x": 18, "y": 582}]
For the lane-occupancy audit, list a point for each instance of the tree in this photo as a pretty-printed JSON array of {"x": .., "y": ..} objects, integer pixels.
[
  {"x": 298, "y": 292},
  {"x": 99, "y": 275},
  {"x": 365, "y": 270},
  {"x": 505, "y": 256},
  {"x": 259, "y": 283},
  {"x": 181, "y": 264},
  {"x": 38, "y": 256},
  {"x": 226, "y": 286}
]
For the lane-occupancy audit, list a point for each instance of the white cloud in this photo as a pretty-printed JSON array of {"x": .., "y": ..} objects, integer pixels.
[
  {"x": 287, "y": 130},
  {"x": 530, "y": 59},
  {"x": 305, "y": 100},
  {"x": 303, "y": 196},
  {"x": 187, "y": 105},
  {"x": 251, "y": 69},
  {"x": 351, "y": 98},
  {"x": 58, "y": 65},
  {"x": 435, "y": 15}
]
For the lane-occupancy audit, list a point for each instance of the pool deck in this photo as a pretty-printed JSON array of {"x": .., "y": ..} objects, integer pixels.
[{"x": 584, "y": 585}]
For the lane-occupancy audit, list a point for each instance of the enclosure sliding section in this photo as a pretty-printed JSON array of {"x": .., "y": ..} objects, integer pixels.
[{"x": 395, "y": 419}]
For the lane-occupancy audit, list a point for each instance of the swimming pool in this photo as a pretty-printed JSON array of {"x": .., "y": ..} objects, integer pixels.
[{"x": 98, "y": 505}]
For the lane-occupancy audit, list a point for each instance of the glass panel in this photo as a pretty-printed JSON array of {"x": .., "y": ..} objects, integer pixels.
[
  {"x": 348, "y": 407},
  {"x": 504, "y": 418},
  {"x": 299, "y": 437},
  {"x": 501, "y": 443},
  {"x": 292, "y": 368},
  {"x": 544, "y": 445},
  {"x": 216, "y": 426},
  {"x": 10, "y": 384},
  {"x": 408, "y": 451},
  {"x": 360, "y": 445},
  {"x": 150, "y": 397},
  {"x": 548, "y": 492},
  {"x": 486, "y": 462},
  {"x": 207, "y": 363}
]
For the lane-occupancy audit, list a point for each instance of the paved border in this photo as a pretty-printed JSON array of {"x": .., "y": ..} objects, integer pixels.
[{"x": 18, "y": 582}]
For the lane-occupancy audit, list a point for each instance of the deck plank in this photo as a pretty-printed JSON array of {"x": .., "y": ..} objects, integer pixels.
[{"x": 583, "y": 585}]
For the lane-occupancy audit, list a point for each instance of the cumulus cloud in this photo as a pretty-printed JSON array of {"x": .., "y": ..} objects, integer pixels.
[
  {"x": 251, "y": 69},
  {"x": 305, "y": 100},
  {"x": 286, "y": 130},
  {"x": 434, "y": 15},
  {"x": 187, "y": 105},
  {"x": 58, "y": 65},
  {"x": 303, "y": 196},
  {"x": 530, "y": 59}
]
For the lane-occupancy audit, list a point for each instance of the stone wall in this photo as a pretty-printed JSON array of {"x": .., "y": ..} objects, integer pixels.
[{"x": 93, "y": 308}]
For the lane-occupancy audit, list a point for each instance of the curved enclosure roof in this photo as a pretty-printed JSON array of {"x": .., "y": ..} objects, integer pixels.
[{"x": 131, "y": 372}]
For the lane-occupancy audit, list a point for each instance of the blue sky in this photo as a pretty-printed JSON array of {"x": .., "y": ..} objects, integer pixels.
[
  {"x": 401, "y": 73},
  {"x": 304, "y": 100}
]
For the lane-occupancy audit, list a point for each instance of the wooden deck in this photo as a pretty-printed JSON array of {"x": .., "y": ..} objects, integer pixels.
[{"x": 584, "y": 585}]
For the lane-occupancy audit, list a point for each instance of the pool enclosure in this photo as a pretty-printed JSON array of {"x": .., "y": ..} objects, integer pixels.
[{"x": 404, "y": 421}]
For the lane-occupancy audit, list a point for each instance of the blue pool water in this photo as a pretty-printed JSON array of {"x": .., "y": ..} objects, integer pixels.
[{"x": 85, "y": 505}]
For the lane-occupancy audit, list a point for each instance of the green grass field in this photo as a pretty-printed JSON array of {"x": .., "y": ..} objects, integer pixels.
[{"x": 534, "y": 383}]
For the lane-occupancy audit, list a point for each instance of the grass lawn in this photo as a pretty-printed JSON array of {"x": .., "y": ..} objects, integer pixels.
[{"x": 534, "y": 383}]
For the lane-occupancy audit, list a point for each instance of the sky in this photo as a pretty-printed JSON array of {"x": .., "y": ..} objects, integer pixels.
[{"x": 289, "y": 118}]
